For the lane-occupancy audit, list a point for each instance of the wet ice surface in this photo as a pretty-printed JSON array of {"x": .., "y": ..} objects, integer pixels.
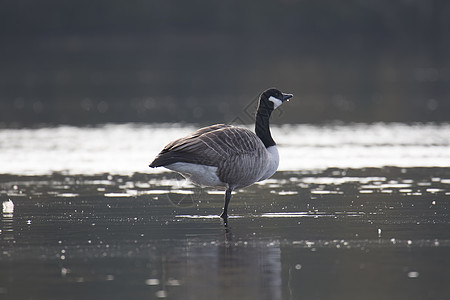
[
  {"x": 83, "y": 217},
  {"x": 372, "y": 233}
]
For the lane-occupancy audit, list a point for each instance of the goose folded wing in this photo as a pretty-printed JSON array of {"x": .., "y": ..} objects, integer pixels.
[{"x": 209, "y": 146}]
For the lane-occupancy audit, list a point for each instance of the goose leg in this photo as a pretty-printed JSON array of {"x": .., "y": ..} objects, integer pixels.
[{"x": 224, "y": 214}]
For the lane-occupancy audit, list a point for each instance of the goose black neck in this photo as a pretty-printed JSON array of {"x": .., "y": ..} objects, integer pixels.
[{"x": 262, "y": 129}]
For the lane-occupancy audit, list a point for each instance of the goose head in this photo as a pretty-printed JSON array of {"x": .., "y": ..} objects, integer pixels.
[{"x": 273, "y": 98}]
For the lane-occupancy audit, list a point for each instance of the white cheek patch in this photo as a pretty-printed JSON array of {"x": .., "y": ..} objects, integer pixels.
[{"x": 276, "y": 102}]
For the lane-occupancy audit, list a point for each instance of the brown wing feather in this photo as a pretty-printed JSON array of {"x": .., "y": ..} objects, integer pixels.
[{"x": 210, "y": 146}]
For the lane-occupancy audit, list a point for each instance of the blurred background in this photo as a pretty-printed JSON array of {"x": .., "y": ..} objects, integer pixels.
[{"x": 89, "y": 62}]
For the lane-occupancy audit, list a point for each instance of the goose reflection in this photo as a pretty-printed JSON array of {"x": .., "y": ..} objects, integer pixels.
[{"x": 229, "y": 269}]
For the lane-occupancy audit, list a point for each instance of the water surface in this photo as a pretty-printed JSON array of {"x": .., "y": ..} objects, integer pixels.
[
  {"x": 84, "y": 222},
  {"x": 128, "y": 148}
]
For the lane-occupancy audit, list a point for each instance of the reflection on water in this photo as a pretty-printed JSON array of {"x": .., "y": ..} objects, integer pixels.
[
  {"x": 7, "y": 231},
  {"x": 128, "y": 148},
  {"x": 371, "y": 233}
]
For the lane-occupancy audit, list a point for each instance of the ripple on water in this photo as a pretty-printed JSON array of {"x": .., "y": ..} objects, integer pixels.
[
  {"x": 68, "y": 195},
  {"x": 325, "y": 192}
]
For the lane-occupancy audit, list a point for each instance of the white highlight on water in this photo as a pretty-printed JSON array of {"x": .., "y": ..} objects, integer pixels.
[
  {"x": 128, "y": 148},
  {"x": 413, "y": 274},
  {"x": 8, "y": 207}
]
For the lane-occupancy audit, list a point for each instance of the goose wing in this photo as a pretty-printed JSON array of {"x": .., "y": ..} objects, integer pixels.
[{"x": 211, "y": 146}]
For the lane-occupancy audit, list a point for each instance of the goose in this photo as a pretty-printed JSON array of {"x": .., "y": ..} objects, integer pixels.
[{"x": 225, "y": 156}]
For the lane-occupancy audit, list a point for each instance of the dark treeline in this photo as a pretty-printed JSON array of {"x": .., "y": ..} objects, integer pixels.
[{"x": 87, "y": 62}]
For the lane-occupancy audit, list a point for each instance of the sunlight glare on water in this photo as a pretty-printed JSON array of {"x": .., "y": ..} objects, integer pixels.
[{"x": 128, "y": 148}]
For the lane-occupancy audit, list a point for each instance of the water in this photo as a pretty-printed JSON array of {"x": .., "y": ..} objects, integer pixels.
[
  {"x": 88, "y": 220},
  {"x": 128, "y": 148}
]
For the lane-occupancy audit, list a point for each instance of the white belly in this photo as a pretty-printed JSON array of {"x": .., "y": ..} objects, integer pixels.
[{"x": 199, "y": 174}]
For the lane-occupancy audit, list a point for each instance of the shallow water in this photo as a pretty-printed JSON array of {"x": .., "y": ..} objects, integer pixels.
[{"x": 307, "y": 233}]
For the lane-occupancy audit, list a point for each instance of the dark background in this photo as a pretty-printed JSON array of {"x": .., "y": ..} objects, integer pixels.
[{"x": 88, "y": 62}]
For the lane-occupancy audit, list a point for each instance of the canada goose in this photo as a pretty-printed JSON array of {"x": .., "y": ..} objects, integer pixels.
[{"x": 225, "y": 156}]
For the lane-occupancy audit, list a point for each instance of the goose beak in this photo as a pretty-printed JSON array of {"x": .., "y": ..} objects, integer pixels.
[{"x": 286, "y": 97}]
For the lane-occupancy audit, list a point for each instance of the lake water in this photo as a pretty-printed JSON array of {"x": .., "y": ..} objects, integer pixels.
[{"x": 355, "y": 212}]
